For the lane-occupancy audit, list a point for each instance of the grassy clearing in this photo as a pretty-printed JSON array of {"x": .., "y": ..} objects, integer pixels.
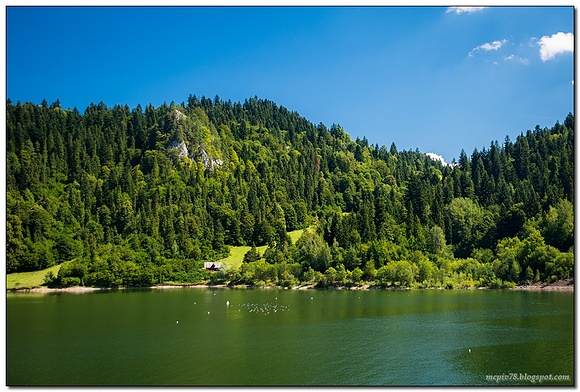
[
  {"x": 28, "y": 280},
  {"x": 294, "y": 235},
  {"x": 234, "y": 260}
]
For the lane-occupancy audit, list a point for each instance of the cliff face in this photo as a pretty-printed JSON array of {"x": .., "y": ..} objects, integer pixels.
[
  {"x": 197, "y": 136},
  {"x": 180, "y": 147}
]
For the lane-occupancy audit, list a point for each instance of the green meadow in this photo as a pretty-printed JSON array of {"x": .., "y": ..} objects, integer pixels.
[
  {"x": 27, "y": 280},
  {"x": 234, "y": 260}
]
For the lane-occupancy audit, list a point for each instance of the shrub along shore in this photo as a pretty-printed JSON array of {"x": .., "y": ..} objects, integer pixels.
[{"x": 561, "y": 285}]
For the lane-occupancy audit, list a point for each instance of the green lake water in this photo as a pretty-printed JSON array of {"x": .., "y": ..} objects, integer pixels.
[{"x": 290, "y": 338}]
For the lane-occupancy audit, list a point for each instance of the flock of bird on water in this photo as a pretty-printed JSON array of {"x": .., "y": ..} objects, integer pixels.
[
  {"x": 265, "y": 308},
  {"x": 262, "y": 308}
]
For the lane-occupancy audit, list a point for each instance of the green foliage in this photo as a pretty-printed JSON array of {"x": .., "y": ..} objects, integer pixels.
[
  {"x": 466, "y": 217},
  {"x": 312, "y": 252},
  {"x": 398, "y": 273},
  {"x": 558, "y": 225},
  {"x": 436, "y": 240},
  {"x": 561, "y": 268},
  {"x": 356, "y": 276},
  {"x": 252, "y": 255},
  {"x": 427, "y": 271},
  {"x": 145, "y": 196}
]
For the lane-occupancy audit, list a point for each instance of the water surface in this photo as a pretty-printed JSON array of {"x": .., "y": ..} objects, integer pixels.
[{"x": 290, "y": 337}]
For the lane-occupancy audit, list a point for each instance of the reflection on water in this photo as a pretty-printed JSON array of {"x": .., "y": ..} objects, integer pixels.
[{"x": 286, "y": 337}]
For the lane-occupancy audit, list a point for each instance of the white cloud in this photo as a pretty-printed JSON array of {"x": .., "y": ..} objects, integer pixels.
[
  {"x": 495, "y": 45},
  {"x": 464, "y": 10},
  {"x": 517, "y": 59},
  {"x": 437, "y": 158},
  {"x": 556, "y": 44}
]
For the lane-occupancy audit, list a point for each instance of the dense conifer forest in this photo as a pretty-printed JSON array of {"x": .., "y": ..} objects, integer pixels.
[{"x": 146, "y": 196}]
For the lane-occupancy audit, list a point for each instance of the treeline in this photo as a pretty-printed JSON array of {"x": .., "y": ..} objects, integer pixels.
[{"x": 145, "y": 196}]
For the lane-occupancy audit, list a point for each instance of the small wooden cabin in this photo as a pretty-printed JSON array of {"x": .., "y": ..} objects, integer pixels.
[{"x": 212, "y": 265}]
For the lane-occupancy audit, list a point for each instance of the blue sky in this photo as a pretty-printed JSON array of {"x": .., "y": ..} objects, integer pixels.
[{"x": 438, "y": 79}]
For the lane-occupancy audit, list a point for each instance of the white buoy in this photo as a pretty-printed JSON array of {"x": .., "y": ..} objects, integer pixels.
[
  {"x": 177, "y": 322},
  {"x": 469, "y": 350},
  {"x": 227, "y": 303},
  {"x": 207, "y": 312}
]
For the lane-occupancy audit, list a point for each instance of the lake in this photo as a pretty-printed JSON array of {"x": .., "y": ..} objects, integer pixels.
[{"x": 205, "y": 337}]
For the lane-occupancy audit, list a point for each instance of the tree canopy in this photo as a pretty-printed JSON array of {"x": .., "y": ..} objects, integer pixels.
[{"x": 139, "y": 196}]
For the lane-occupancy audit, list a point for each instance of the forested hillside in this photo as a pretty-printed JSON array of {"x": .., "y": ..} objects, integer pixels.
[{"x": 145, "y": 196}]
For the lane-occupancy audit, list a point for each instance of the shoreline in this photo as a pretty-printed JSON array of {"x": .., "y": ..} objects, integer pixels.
[{"x": 562, "y": 285}]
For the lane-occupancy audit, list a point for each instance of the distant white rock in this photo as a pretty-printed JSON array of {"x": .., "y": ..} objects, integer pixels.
[
  {"x": 180, "y": 147},
  {"x": 179, "y": 115},
  {"x": 210, "y": 162},
  {"x": 437, "y": 158}
]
